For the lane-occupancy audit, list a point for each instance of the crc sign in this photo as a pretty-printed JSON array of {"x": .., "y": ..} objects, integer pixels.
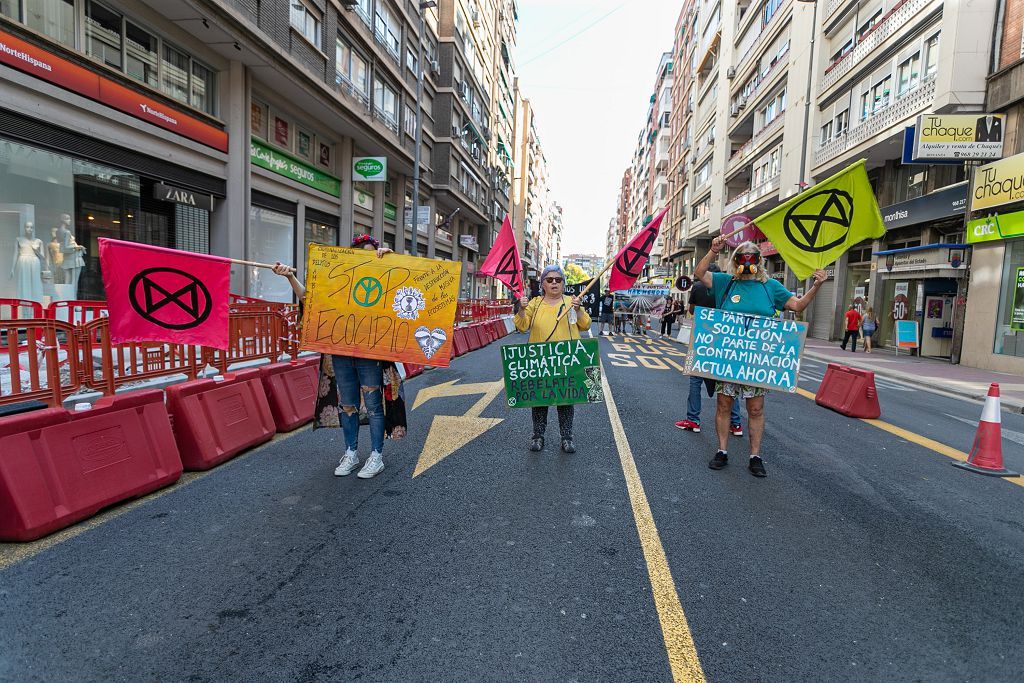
[{"x": 995, "y": 228}]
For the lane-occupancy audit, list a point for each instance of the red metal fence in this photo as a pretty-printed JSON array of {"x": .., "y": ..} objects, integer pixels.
[{"x": 48, "y": 354}]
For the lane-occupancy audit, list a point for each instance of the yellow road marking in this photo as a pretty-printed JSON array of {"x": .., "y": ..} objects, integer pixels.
[
  {"x": 930, "y": 444},
  {"x": 13, "y": 553},
  {"x": 449, "y": 433},
  {"x": 682, "y": 652}
]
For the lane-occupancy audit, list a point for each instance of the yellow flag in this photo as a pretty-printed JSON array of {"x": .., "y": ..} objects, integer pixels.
[{"x": 818, "y": 225}]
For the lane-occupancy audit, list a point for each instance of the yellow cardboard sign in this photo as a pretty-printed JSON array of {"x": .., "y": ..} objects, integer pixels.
[{"x": 396, "y": 308}]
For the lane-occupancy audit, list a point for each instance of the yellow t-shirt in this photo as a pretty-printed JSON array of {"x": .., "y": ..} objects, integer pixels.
[{"x": 540, "y": 318}]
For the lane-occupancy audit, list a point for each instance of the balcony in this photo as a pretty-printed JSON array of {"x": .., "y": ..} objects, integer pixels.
[
  {"x": 904, "y": 108},
  {"x": 897, "y": 18},
  {"x": 770, "y": 72},
  {"x": 833, "y": 6},
  {"x": 753, "y": 143},
  {"x": 752, "y": 195}
]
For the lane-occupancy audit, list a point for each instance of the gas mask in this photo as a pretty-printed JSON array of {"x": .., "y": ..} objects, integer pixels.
[{"x": 746, "y": 263}]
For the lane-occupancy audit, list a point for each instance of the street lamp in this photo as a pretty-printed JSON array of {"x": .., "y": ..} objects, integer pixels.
[{"x": 419, "y": 132}]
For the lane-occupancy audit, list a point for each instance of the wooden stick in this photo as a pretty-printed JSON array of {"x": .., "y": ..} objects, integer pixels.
[
  {"x": 257, "y": 264},
  {"x": 585, "y": 289}
]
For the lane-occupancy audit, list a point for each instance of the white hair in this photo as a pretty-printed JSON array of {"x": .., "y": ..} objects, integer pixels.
[{"x": 749, "y": 248}]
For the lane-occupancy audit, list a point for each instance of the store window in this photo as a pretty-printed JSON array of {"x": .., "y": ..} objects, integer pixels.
[
  {"x": 272, "y": 238},
  {"x": 53, "y": 210},
  {"x": 1009, "y": 339},
  {"x": 320, "y": 229}
]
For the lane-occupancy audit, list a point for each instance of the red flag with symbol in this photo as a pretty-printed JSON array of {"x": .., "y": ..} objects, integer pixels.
[
  {"x": 503, "y": 261},
  {"x": 165, "y": 295},
  {"x": 629, "y": 263}
]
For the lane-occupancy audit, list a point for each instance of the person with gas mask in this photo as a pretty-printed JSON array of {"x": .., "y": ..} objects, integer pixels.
[{"x": 746, "y": 288}]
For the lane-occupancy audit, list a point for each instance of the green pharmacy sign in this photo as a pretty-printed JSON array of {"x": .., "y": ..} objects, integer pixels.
[
  {"x": 292, "y": 168},
  {"x": 994, "y": 228},
  {"x": 370, "y": 169},
  {"x": 552, "y": 373}
]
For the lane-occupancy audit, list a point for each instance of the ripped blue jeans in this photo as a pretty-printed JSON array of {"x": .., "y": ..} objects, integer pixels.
[{"x": 357, "y": 376}]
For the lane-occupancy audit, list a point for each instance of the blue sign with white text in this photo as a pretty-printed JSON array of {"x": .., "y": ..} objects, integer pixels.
[{"x": 746, "y": 349}]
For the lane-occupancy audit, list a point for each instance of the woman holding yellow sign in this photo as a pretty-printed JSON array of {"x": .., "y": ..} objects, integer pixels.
[
  {"x": 348, "y": 381},
  {"x": 540, "y": 317},
  {"x": 746, "y": 288}
]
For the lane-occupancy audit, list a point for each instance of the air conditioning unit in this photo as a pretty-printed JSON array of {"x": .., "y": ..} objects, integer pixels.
[
  {"x": 742, "y": 104},
  {"x": 456, "y": 133},
  {"x": 689, "y": 109},
  {"x": 350, "y": 4},
  {"x": 730, "y": 73},
  {"x": 435, "y": 67}
]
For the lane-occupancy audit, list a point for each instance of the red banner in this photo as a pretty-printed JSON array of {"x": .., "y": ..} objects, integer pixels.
[
  {"x": 630, "y": 262},
  {"x": 37, "y": 62},
  {"x": 503, "y": 261}
]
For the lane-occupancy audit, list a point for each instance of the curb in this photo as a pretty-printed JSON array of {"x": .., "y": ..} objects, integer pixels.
[{"x": 1008, "y": 404}]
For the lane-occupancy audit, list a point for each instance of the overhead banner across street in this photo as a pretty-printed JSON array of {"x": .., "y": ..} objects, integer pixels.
[{"x": 396, "y": 308}]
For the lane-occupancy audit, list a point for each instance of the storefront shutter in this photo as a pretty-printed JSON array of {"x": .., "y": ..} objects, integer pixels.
[{"x": 823, "y": 309}]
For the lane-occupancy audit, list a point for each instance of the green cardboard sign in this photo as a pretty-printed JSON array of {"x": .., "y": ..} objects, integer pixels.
[
  {"x": 290, "y": 167},
  {"x": 1017, "y": 314},
  {"x": 552, "y": 373},
  {"x": 995, "y": 228}
]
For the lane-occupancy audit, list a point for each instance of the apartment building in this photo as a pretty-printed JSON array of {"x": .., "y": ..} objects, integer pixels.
[
  {"x": 677, "y": 250},
  {"x": 590, "y": 263},
  {"x": 536, "y": 217},
  {"x": 251, "y": 129},
  {"x": 993, "y": 335}
]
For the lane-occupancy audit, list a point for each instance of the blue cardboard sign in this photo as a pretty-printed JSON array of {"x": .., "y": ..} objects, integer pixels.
[
  {"x": 746, "y": 349},
  {"x": 906, "y": 334}
]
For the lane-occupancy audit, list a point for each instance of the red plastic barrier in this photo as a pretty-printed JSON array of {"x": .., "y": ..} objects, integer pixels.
[
  {"x": 486, "y": 333},
  {"x": 849, "y": 391},
  {"x": 58, "y": 466},
  {"x": 499, "y": 328},
  {"x": 473, "y": 337},
  {"x": 20, "y": 309},
  {"x": 76, "y": 312},
  {"x": 291, "y": 391},
  {"x": 215, "y": 421},
  {"x": 412, "y": 370},
  {"x": 461, "y": 344}
]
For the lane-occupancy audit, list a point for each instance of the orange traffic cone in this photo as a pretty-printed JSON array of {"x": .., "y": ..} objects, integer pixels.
[{"x": 986, "y": 456}]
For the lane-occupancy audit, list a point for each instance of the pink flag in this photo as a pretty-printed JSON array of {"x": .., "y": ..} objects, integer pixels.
[
  {"x": 503, "y": 262},
  {"x": 630, "y": 262},
  {"x": 159, "y": 294}
]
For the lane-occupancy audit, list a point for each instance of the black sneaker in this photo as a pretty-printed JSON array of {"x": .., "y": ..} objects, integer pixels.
[
  {"x": 756, "y": 467},
  {"x": 537, "y": 444},
  {"x": 720, "y": 460},
  {"x": 568, "y": 446}
]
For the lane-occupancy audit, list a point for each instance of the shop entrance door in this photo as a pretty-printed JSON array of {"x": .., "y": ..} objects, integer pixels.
[{"x": 937, "y": 332}]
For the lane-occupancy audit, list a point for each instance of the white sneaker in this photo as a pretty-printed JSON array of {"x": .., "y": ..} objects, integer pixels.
[
  {"x": 373, "y": 466},
  {"x": 347, "y": 463}
]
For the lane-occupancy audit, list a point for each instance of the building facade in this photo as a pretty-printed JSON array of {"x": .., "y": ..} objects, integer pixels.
[{"x": 247, "y": 130}]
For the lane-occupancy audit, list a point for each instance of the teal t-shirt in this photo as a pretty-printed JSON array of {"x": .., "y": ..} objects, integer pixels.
[{"x": 749, "y": 296}]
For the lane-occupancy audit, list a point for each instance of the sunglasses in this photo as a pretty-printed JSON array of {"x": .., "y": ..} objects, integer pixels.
[{"x": 553, "y": 280}]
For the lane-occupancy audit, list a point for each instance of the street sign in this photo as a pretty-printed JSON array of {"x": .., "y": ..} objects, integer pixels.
[{"x": 552, "y": 373}]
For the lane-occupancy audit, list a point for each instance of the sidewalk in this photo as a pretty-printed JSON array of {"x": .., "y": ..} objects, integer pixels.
[{"x": 924, "y": 372}]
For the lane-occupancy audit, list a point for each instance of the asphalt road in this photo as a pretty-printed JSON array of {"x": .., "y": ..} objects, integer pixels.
[{"x": 862, "y": 556}]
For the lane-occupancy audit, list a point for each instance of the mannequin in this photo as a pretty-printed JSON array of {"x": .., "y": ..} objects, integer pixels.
[
  {"x": 56, "y": 257},
  {"x": 27, "y": 269},
  {"x": 73, "y": 254}
]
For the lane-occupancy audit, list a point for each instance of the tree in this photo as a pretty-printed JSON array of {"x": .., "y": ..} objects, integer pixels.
[{"x": 574, "y": 274}]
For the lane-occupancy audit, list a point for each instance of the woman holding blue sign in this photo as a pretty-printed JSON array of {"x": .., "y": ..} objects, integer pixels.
[
  {"x": 746, "y": 288},
  {"x": 541, "y": 318}
]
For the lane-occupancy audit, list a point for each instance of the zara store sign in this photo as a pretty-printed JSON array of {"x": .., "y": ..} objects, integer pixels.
[{"x": 178, "y": 195}]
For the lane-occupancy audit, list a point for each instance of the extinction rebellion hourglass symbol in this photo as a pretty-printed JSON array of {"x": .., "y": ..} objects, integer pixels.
[{"x": 170, "y": 298}]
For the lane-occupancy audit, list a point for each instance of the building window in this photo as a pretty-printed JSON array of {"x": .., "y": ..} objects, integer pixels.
[
  {"x": 142, "y": 55},
  {"x": 826, "y": 132},
  {"x": 770, "y": 8},
  {"x": 363, "y": 9},
  {"x": 54, "y": 18},
  {"x": 842, "y": 122},
  {"x": 388, "y": 30},
  {"x": 880, "y": 93},
  {"x": 931, "y": 55},
  {"x": 866, "y": 27},
  {"x": 385, "y": 103},
  {"x": 175, "y": 78},
  {"x": 908, "y": 74},
  {"x": 410, "y": 121},
  {"x": 304, "y": 144},
  {"x": 103, "y": 34},
  {"x": 1009, "y": 339},
  {"x": 410, "y": 61},
  {"x": 351, "y": 67},
  {"x": 258, "y": 119},
  {"x": 306, "y": 21},
  {"x": 842, "y": 51},
  {"x": 703, "y": 174}
]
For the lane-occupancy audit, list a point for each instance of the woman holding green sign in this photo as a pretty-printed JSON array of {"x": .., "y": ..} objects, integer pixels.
[
  {"x": 746, "y": 288},
  {"x": 540, "y": 317}
]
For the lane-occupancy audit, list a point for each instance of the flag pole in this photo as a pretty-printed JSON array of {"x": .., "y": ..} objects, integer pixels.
[{"x": 256, "y": 264}]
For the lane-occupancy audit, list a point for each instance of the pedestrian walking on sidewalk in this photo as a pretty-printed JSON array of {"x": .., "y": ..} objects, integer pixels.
[
  {"x": 607, "y": 313},
  {"x": 746, "y": 289},
  {"x": 539, "y": 317},
  {"x": 700, "y": 296},
  {"x": 869, "y": 325},
  {"x": 852, "y": 328},
  {"x": 349, "y": 383}
]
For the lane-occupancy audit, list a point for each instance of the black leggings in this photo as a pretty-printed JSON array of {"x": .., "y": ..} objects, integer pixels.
[
  {"x": 666, "y": 324},
  {"x": 540, "y": 420}
]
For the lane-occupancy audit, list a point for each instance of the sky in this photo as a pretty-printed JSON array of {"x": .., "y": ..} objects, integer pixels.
[{"x": 589, "y": 67}]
